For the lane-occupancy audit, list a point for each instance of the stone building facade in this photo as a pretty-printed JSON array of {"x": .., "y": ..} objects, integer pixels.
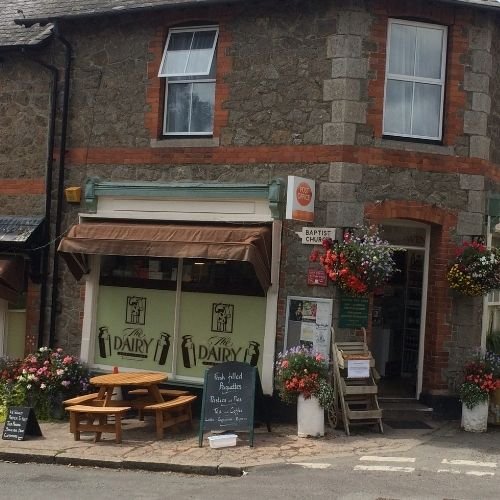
[{"x": 299, "y": 91}]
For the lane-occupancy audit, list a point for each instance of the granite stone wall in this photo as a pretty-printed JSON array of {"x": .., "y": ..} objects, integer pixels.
[
  {"x": 494, "y": 117},
  {"x": 24, "y": 116}
]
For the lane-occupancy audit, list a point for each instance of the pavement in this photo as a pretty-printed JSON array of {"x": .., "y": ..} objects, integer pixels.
[{"x": 179, "y": 450}]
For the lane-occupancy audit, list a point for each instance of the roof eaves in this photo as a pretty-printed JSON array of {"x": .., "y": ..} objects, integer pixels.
[
  {"x": 30, "y": 21},
  {"x": 35, "y": 41}
]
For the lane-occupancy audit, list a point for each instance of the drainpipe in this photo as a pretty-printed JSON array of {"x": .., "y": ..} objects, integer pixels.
[
  {"x": 60, "y": 185},
  {"x": 48, "y": 200}
]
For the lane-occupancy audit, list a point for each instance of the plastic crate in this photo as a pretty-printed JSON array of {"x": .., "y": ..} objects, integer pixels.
[{"x": 222, "y": 441}]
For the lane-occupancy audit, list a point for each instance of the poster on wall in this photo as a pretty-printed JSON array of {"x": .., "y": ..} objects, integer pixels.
[{"x": 308, "y": 322}]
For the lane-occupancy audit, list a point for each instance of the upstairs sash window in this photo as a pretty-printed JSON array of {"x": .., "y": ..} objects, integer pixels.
[
  {"x": 188, "y": 64},
  {"x": 415, "y": 77}
]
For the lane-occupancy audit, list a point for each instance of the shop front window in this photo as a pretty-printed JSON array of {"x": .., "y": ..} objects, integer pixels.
[{"x": 178, "y": 315}]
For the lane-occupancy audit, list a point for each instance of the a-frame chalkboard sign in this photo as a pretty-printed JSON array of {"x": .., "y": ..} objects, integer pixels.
[
  {"x": 21, "y": 421},
  {"x": 229, "y": 399}
]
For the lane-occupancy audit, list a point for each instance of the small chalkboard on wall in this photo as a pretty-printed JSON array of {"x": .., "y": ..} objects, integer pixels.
[
  {"x": 21, "y": 422},
  {"x": 229, "y": 399}
]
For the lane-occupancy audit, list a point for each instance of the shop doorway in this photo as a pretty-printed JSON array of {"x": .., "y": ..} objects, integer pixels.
[{"x": 398, "y": 318}]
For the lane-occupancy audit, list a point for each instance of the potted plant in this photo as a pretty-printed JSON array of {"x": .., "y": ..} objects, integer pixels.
[
  {"x": 475, "y": 270},
  {"x": 302, "y": 376},
  {"x": 360, "y": 263},
  {"x": 474, "y": 392}
]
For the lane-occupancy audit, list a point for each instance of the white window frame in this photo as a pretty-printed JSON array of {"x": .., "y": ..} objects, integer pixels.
[
  {"x": 415, "y": 79},
  {"x": 187, "y": 80}
]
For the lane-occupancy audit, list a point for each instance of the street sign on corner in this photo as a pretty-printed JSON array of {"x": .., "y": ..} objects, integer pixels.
[{"x": 316, "y": 235}]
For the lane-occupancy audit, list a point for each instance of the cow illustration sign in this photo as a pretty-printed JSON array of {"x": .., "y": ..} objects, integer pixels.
[{"x": 136, "y": 328}]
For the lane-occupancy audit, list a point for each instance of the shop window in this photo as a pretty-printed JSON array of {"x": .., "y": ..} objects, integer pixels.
[
  {"x": 139, "y": 272},
  {"x": 415, "y": 77},
  {"x": 188, "y": 64},
  {"x": 144, "y": 321},
  {"x": 198, "y": 275}
]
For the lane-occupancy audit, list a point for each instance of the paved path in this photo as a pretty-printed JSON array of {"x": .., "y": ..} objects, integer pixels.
[{"x": 179, "y": 451}]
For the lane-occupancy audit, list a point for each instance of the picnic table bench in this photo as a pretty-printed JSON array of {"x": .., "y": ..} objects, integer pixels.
[
  {"x": 171, "y": 413},
  {"x": 78, "y": 413}
]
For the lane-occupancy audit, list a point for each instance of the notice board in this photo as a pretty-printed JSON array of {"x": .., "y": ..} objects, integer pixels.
[
  {"x": 353, "y": 311},
  {"x": 308, "y": 322},
  {"x": 229, "y": 398},
  {"x": 21, "y": 421}
]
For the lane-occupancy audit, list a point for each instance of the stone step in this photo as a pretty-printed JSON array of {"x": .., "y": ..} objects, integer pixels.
[{"x": 404, "y": 409}]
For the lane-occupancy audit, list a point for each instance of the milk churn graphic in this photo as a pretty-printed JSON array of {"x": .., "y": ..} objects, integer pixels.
[
  {"x": 162, "y": 348},
  {"x": 104, "y": 342},
  {"x": 252, "y": 353},
  {"x": 188, "y": 353}
]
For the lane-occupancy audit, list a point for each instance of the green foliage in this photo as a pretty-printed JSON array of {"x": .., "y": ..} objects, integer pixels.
[
  {"x": 493, "y": 342},
  {"x": 472, "y": 395},
  {"x": 301, "y": 371},
  {"x": 325, "y": 394},
  {"x": 42, "y": 380}
]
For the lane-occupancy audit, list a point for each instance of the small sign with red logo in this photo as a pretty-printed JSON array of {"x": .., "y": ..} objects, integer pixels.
[
  {"x": 300, "y": 199},
  {"x": 316, "y": 277}
]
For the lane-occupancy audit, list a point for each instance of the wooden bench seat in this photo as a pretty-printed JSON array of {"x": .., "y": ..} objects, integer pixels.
[
  {"x": 171, "y": 412},
  {"x": 140, "y": 402},
  {"x": 166, "y": 393},
  {"x": 80, "y": 399},
  {"x": 78, "y": 413}
]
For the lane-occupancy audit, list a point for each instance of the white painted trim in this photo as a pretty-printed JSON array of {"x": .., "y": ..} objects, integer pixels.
[
  {"x": 87, "y": 347},
  {"x": 425, "y": 285},
  {"x": 486, "y": 305},
  {"x": 194, "y": 29},
  {"x": 423, "y": 311},
  {"x": 268, "y": 349},
  {"x": 441, "y": 81},
  {"x": 177, "y": 315},
  {"x": 201, "y": 210}
]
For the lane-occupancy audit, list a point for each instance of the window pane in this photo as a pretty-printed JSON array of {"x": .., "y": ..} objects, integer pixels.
[
  {"x": 427, "y": 110},
  {"x": 177, "y": 53},
  {"x": 202, "y": 114},
  {"x": 402, "y": 49},
  {"x": 203, "y": 40},
  {"x": 178, "y": 104},
  {"x": 201, "y": 52},
  {"x": 429, "y": 52},
  {"x": 397, "y": 111}
]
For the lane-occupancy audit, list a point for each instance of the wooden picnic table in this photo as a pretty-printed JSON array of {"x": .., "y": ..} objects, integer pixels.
[
  {"x": 99, "y": 405},
  {"x": 148, "y": 380}
]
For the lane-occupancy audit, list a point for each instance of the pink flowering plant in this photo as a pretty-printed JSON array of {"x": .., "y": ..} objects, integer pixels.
[
  {"x": 300, "y": 370},
  {"x": 47, "y": 377}
]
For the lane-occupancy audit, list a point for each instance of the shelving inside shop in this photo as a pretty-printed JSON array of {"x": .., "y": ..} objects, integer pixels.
[{"x": 198, "y": 275}]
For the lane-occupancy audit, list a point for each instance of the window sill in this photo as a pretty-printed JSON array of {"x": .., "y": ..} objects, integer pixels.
[
  {"x": 195, "y": 142},
  {"x": 409, "y": 145}
]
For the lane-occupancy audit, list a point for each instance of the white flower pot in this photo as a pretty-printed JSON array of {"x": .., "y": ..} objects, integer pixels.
[
  {"x": 476, "y": 418},
  {"x": 310, "y": 417}
]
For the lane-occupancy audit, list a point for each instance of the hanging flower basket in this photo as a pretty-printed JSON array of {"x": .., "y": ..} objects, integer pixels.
[
  {"x": 476, "y": 270},
  {"x": 359, "y": 264}
]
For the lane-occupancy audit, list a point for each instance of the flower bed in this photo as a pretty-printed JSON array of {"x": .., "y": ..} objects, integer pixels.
[{"x": 42, "y": 380}]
